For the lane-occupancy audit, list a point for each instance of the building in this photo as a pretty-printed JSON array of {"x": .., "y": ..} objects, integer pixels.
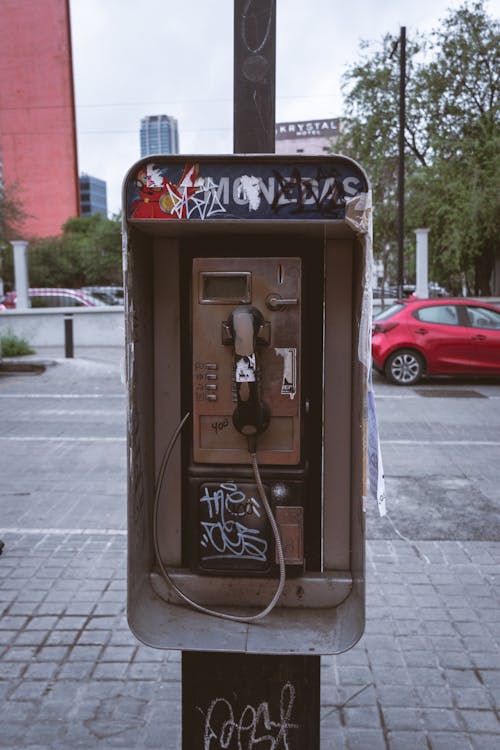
[
  {"x": 307, "y": 136},
  {"x": 159, "y": 135},
  {"x": 37, "y": 113},
  {"x": 93, "y": 196}
]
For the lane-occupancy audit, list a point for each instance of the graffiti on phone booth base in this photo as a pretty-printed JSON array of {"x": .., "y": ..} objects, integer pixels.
[
  {"x": 225, "y": 534},
  {"x": 253, "y": 728}
]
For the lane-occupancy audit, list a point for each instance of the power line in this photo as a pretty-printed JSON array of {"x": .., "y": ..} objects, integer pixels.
[{"x": 163, "y": 103}]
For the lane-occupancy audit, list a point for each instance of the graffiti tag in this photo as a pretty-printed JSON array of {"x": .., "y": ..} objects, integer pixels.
[
  {"x": 321, "y": 193},
  {"x": 200, "y": 201},
  {"x": 223, "y": 729},
  {"x": 306, "y": 190},
  {"x": 224, "y": 534}
]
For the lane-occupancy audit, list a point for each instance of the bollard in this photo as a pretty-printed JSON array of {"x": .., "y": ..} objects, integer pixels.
[{"x": 68, "y": 336}]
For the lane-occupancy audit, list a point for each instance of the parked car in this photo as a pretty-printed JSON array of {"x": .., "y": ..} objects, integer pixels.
[
  {"x": 417, "y": 337},
  {"x": 48, "y": 297},
  {"x": 387, "y": 293},
  {"x": 435, "y": 290},
  {"x": 109, "y": 295}
]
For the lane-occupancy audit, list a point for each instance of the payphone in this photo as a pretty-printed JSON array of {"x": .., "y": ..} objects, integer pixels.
[
  {"x": 246, "y": 340},
  {"x": 245, "y": 301}
]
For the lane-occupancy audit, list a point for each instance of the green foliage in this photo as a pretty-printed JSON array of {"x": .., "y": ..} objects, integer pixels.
[
  {"x": 12, "y": 213},
  {"x": 451, "y": 143},
  {"x": 14, "y": 346},
  {"x": 87, "y": 253}
]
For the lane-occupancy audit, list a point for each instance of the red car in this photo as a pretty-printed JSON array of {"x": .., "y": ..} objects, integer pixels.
[{"x": 417, "y": 337}]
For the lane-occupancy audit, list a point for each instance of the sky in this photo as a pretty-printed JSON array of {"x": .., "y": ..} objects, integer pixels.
[{"x": 132, "y": 59}]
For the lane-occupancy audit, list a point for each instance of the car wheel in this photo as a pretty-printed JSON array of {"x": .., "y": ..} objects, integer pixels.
[{"x": 404, "y": 367}]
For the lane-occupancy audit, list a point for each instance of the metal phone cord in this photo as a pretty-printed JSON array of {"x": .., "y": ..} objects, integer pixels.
[{"x": 270, "y": 516}]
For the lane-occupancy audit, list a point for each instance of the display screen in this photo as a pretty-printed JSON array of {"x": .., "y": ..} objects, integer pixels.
[{"x": 226, "y": 287}]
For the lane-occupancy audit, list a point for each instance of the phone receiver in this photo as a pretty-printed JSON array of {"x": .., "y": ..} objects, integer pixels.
[{"x": 247, "y": 327}]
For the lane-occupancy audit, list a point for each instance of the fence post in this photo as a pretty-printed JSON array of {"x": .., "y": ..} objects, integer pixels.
[{"x": 68, "y": 336}]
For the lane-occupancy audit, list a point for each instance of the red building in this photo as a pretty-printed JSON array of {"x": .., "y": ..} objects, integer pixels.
[{"x": 37, "y": 112}]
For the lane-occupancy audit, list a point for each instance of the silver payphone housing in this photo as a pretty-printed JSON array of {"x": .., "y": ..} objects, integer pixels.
[{"x": 203, "y": 235}]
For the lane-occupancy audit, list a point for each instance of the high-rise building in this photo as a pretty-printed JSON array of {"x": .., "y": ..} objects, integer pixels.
[
  {"x": 93, "y": 196},
  {"x": 159, "y": 135},
  {"x": 37, "y": 113}
]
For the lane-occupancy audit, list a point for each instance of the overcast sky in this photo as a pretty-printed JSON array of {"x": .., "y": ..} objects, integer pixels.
[{"x": 132, "y": 59}]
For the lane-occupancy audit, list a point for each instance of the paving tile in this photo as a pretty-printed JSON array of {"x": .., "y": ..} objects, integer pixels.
[
  {"x": 485, "y": 741},
  {"x": 365, "y": 717},
  {"x": 361, "y": 739},
  {"x": 484, "y": 721},
  {"x": 448, "y": 741},
  {"x": 408, "y": 740},
  {"x": 397, "y": 717}
]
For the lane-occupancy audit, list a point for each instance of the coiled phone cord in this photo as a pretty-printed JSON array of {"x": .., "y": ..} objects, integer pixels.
[{"x": 270, "y": 516}]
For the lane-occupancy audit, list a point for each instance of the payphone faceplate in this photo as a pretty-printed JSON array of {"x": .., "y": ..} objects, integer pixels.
[{"x": 271, "y": 287}]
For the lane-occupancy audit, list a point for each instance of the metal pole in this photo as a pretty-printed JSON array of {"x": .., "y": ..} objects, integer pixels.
[
  {"x": 224, "y": 695},
  {"x": 68, "y": 336},
  {"x": 254, "y": 76},
  {"x": 250, "y": 700},
  {"x": 401, "y": 162}
]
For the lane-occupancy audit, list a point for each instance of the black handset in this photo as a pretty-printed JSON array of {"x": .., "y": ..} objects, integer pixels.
[{"x": 251, "y": 415}]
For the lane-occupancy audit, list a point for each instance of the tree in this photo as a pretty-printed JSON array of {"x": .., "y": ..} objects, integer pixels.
[
  {"x": 87, "y": 253},
  {"x": 12, "y": 215},
  {"x": 451, "y": 140}
]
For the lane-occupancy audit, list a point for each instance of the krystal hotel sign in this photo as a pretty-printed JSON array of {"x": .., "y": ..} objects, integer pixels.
[{"x": 326, "y": 128}]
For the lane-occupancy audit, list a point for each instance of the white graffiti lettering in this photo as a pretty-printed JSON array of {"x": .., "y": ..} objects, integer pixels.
[
  {"x": 351, "y": 186},
  {"x": 200, "y": 201},
  {"x": 249, "y": 191},
  {"x": 224, "y": 535},
  {"x": 253, "y": 728}
]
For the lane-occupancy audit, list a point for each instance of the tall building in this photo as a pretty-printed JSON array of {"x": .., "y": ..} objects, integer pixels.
[
  {"x": 159, "y": 135},
  {"x": 307, "y": 136},
  {"x": 37, "y": 113},
  {"x": 93, "y": 196}
]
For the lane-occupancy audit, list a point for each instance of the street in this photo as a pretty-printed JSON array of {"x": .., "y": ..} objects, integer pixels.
[
  {"x": 440, "y": 447},
  {"x": 426, "y": 674}
]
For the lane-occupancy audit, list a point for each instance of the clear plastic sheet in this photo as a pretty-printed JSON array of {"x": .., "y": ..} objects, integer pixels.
[{"x": 359, "y": 216}]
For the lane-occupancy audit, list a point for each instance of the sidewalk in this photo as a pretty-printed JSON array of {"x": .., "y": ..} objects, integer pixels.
[{"x": 425, "y": 675}]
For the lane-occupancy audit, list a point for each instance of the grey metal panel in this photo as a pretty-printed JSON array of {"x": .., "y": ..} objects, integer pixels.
[
  {"x": 319, "y": 591},
  {"x": 139, "y": 363},
  {"x": 167, "y": 392},
  {"x": 338, "y": 364},
  {"x": 283, "y": 631},
  {"x": 358, "y": 447},
  {"x": 154, "y": 413}
]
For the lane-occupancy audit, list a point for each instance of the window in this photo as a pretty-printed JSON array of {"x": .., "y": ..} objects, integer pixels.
[
  {"x": 445, "y": 315},
  {"x": 482, "y": 317},
  {"x": 54, "y": 300},
  {"x": 389, "y": 311}
]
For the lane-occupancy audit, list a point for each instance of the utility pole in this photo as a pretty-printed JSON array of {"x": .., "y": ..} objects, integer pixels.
[
  {"x": 401, "y": 160},
  {"x": 254, "y": 682},
  {"x": 254, "y": 76}
]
